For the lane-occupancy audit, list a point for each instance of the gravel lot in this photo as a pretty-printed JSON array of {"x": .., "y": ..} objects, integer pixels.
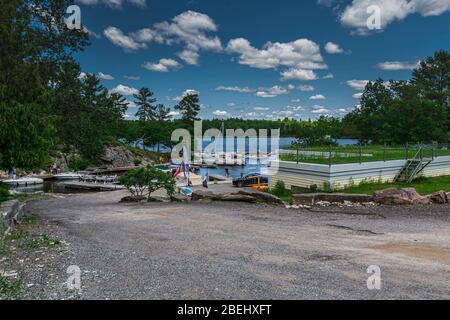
[{"x": 239, "y": 251}]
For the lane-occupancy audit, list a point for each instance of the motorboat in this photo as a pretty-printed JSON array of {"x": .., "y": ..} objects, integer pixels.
[
  {"x": 67, "y": 176},
  {"x": 23, "y": 182}
]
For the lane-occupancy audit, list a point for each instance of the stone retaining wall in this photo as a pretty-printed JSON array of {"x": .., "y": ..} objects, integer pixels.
[{"x": 11, "y": 212}]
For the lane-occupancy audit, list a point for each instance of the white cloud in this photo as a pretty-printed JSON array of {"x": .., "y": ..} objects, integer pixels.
[
  {"x": 317, "y": 97},
  {"x": 189, "y": 56},
  {"x": 355, "y": 14},
  {"x": 174, "y": 113},
  {"x": 358, "y": 95},
  {"x": 91, "y": 33},
  {"x": 115, "y": 4},
  {"x": 296, "y": 100},
  {"x": 302, "y": 53},
  {"x": 298, "y": 74},
  {"x": 82, "y": 76},
  {"x": 271, "y": 92},
  {"x": 104, "y": 76},
  {"x": 261, "y": 108},
  {"x": 320, "y": 110},
  {"x": 306, "y": 88},
  {"x": 296, "y": 108},
  {"x": 358, "y": 85},
  {"x": 220, "y": 113},
  {"x": 333, "y": 48},
  {"x": 164, "y": 65},
  {"x": 184, "y": 94},
  {"x": 189, "y": 29},
  {"x": 118, "y": 38},
  {"x": 235, "y": 89},
  {"x": 328, "y": 76},
  {"x": 124, "y": 90},
  {"x": 398, "y": 65}
]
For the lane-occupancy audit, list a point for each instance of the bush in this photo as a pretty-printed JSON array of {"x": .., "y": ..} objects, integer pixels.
[
  {"x": 4, "y": 193},
  {"x": 144, "y": 181},
  {"x": 280, "y": 190},
  {"x": 78, "y": 164},
  {"x": 137, "y": 162}
]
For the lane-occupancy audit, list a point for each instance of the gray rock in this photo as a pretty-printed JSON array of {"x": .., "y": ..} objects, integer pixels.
[
  {"x": 439, "y": 197},
  {"x": 132, "y": 199},
  {"x": 180, "y": 198},
  {"x": 262, "y": 196},
  {"x": 313, "y": 198},
  {"x": 236, "y": 198},
  {"x": 407, "y": 196},
  {"x": 201, "y": 195}
]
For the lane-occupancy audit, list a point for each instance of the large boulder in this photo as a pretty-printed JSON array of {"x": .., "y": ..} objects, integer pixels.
[
  {"x": 236, "y": 198},
  {"x": 262, "y": 196},
  {"x": 313, "y": 198},
  {"x": 407, "y": 196},
  {"x": 133, "y": 199},
  {"x": 439, "y": 197},
  {"x": 202, "y": 195}
]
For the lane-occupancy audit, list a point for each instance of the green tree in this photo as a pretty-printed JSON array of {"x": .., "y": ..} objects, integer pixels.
[
  {"x": 189, "y": 107},
  {"x": 432, "y": 79},
  {"x": 142, "y": 182},
  {"x": 35, "y": 45},
  {"x": 144, "y": 101}
]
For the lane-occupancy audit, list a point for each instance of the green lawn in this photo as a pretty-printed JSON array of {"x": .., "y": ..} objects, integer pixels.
[
  {"x": 424, "y": 186},
  {"x": 357, "y": 154}
]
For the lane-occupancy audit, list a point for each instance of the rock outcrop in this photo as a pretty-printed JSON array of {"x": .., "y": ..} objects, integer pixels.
[
  {"x": 314, "y": 198},
  {"x": 117, "y": 157},
  {"x": 439, "y": 197},
  {"x": 238, "y": 196},
  {"x": 407, "y": 196}
]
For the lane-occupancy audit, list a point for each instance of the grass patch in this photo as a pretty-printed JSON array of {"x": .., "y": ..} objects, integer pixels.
[
  {"x": 424, "y": 186},
  {"x": 10, "y": 289}
]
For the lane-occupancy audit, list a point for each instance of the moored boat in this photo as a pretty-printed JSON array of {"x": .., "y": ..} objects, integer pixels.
[
  {"x": 27, "y": 181},
  {"x": 67, "y": 176}
]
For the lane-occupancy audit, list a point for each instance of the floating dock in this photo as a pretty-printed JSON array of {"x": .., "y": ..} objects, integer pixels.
[{"x": 91, "y": 186}]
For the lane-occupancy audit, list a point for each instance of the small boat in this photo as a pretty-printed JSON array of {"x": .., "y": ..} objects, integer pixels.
[
  {"x": 27, "y": 181},
  {"x": 67, "y": 176}
]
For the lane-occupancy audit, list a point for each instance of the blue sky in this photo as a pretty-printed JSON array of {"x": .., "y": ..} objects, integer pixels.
[{"x": 259, "y": 59}]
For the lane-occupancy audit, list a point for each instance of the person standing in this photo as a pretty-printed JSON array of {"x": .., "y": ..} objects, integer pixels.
[
  {"x": 14, "y": 173},
  {"x": 205, "y": 180}
]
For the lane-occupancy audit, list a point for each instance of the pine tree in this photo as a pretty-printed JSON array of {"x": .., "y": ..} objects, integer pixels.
[{"x": 144, "y": 101}]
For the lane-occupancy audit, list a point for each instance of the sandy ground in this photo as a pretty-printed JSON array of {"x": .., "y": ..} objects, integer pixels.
[{"x": 240, "y": 251}]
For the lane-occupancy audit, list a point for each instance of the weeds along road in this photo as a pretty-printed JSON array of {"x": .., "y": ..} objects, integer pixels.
[{"x": 242, "y": 251}]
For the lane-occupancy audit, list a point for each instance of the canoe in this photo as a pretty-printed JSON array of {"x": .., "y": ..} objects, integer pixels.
[{"x": 23, "y": 181}]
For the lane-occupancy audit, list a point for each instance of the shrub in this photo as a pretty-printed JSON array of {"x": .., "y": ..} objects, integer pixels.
[
  {"x": 78, "y": 164},
  {"x": 280, "y": 190},
  {"x": 144, "y": 181},
  {"x": 137, "y": 162},
  {"x": 4, "y": 193}
]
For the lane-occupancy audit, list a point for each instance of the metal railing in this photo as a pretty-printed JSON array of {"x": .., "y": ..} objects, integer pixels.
[{"x": 332, "y": 154}]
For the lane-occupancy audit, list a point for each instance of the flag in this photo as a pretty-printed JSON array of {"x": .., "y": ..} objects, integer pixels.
[{"x": 177, "y": 172}]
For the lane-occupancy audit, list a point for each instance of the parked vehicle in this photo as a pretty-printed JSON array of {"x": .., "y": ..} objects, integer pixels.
[{"x": 250, "y": 180}]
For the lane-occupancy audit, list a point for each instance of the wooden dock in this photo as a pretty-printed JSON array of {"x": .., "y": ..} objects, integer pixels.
[{"x": 91, "y": 186}]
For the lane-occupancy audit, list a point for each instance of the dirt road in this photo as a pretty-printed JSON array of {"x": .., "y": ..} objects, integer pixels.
[{"x": 242, "y": 251}]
